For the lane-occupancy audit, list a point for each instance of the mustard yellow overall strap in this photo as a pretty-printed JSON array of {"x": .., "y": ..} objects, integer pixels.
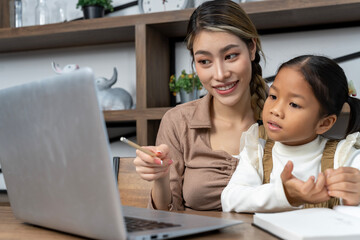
[
  {"x": 267, "y": 160},
  {"x": 327, "y": 161}
]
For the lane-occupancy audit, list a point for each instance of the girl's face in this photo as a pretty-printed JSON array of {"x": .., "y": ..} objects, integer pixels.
[
  {"x": 291, "y": 111},
  {"x": 223, "y": 64}
]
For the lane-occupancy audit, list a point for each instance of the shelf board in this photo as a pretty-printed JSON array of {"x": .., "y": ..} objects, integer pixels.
[
  {"x": 68, "y": 34},
  {"x": 135, "y": 114},
  {"x": 275, "y": 14},
  {"x": 271, "y": 14}
]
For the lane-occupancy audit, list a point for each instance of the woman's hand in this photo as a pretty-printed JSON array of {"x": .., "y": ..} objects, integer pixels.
[
  {"x": 299, "y": 192},
  {"x": 152, "y": 168},
  {"x": 344, "y": 183}
]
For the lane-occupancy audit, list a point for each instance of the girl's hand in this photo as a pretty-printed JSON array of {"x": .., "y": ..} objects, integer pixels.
[
  {"x": 344, "y": 183},
  {"x": 299, "y": 192},
  {"x": 152, "y": 168}
]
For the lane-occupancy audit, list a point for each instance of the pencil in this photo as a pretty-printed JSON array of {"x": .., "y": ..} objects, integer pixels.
[{"x": 134, "y": 145}]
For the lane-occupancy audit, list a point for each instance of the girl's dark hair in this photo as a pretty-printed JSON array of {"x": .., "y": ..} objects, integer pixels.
[
  {"x": 228, "y": 16},
  {"x": 330, "y": 86}
]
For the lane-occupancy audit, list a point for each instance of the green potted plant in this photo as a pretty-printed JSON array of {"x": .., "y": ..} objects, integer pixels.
[
  {"x": 94, "y": 8},
  {"x": 187, "y": 84}
]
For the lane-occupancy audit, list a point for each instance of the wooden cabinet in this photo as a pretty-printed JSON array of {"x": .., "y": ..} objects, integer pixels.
[{"x": 154, "y": 35}]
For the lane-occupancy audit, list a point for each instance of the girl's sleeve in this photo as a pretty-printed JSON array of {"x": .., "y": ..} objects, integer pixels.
[
  {"x": 348, "y": 152},
  {"x": 245, "y": 191}
]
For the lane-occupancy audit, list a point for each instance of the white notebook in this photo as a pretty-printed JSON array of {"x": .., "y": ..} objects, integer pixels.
[{"x": 342, "y": 222}]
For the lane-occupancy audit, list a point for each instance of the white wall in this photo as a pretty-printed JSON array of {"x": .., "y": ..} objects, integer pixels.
[
  {"x": 22, "y": 67},
  {"x": 332, "y": 43}
]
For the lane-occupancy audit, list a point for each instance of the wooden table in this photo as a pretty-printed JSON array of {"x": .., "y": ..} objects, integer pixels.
[{"x": 12, "y": 228}]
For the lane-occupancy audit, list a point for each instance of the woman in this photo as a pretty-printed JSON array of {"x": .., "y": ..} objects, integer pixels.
[{"x": 198, "y": 142}]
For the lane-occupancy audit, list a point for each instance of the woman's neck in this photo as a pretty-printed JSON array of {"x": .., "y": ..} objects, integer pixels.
[
  {"x": 241, "y": 112},
  {"x": 228, "y": 125}
]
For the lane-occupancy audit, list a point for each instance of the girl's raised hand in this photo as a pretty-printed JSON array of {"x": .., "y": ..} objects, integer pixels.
[
  {"x": 344, "y": 183},
  {"x": 299, "y": 192},
  {"x": 152, "y": 168}
]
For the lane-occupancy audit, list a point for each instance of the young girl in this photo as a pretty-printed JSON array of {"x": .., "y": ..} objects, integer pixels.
[{"x": 304, "y": 102}]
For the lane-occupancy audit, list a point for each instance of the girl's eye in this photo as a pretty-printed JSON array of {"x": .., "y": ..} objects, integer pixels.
[
  {"x": 231, "y": 56},
  {"x": 294, "y": 105},
  {"x": 272, "y": 97}
]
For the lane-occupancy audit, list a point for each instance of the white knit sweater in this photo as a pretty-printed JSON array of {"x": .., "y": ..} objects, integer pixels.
[{"x": 245, "y": 191}]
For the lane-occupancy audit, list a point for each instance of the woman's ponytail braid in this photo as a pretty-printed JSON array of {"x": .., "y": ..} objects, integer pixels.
[{"x": 258, "y": 88}]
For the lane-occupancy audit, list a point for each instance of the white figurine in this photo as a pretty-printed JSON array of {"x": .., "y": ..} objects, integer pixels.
[
  {"x": 112, "y": 98},
  {"x": 66, "y": 69}
]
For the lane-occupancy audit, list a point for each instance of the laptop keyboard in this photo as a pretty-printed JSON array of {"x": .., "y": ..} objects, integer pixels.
[{"x": 138, "y": 224}]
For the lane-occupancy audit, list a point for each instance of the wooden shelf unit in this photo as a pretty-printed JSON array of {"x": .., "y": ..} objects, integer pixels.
[{"x": 153, "y": 33}]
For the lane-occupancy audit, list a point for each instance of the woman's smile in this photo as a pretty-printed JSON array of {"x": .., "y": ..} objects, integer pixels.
[{"x": 226, "y": 88}]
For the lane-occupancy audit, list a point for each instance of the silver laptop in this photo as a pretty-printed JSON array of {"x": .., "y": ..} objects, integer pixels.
[{"x": 56, "y": 161}]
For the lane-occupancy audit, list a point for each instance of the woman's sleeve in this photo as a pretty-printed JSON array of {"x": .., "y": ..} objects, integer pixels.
[{"x": 170, "y": 134}]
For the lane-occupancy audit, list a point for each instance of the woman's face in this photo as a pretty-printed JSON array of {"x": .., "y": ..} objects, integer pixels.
[
  {"x": 223, "y": 64},
  {"x": 291, "y": 112}
]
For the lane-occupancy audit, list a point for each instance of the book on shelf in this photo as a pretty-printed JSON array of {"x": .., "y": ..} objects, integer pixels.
[
  {"x": 2, "y": 182},
  {"x": 341, "y": 222}
]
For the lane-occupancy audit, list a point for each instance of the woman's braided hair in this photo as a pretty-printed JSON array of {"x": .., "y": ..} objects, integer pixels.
[{"x": 258, "y": 88}]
